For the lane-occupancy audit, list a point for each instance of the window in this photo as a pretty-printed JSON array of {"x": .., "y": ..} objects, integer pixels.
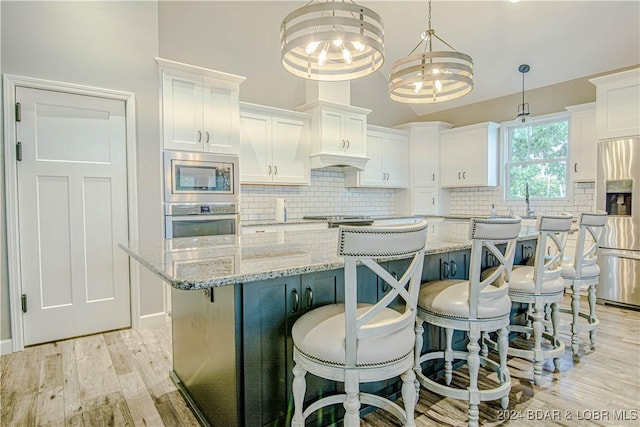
[{"x": 537, "y": 156}]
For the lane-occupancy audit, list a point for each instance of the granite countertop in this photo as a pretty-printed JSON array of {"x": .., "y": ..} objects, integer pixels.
[{"x": 204, "y": 262}]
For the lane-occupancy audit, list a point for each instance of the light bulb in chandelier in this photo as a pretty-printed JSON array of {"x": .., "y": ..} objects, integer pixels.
[
  {"x": 358, "y": 46},
  {"x": 322, "y": 58},
  {"x": 311, "y": 47},
  {"x": 346, "y": 55}
]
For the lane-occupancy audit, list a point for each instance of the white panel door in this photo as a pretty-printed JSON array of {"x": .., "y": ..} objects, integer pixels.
[
  {"x": 332, "y": 128},
  {"x": 356, "y": 134},
  {"x": 72, "y": 201}
]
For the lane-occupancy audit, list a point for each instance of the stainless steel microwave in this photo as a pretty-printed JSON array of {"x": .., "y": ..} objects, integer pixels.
[{"x": 200, "y": 177}]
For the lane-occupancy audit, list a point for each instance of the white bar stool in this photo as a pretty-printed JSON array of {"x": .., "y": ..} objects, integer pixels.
[
  {"x": 358, "y": 343},
  {"x": 475, "y": 306},
  {"x": 541, "y": 286},
  {"x": 583, "y": 271}
]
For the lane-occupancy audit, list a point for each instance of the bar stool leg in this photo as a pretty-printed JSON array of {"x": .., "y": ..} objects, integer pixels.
[
  {"x": 538, "y": 356},
  {"x": 592, "y": 315},
  {"x": 503, "y": 348},
  {"x": 473, "y": 361},
  {"x": 409, "y": 397},
  {"x": 575, "y": 311},
  {"x": 299, "y": 389},
  {"x": 448, "y": 356},
  {"x": 416, "y": 351},
  {"x": 484, "y": 350},
  {"x": 555, "y": 325},
  {"x": 352, "y": 402}
]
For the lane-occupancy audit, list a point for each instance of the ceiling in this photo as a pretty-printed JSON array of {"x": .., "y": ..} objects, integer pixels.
[{"x": 560, "y": 40}]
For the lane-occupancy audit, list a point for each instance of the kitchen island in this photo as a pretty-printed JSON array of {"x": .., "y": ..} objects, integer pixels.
[{"x": 234, "y": 299}]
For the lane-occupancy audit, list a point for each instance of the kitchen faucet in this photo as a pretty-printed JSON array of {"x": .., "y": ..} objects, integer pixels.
[{"x": 529, "y": 213}]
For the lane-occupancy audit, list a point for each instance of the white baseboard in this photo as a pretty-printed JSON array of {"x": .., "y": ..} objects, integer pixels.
[
  {"x": 6, "y": 346},
  {"x": 151, "y": 320}
]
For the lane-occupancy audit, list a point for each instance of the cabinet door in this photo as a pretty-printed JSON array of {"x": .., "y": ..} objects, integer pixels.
[
  {"x": 255, "y": 148},
  {"x": 182, "y": 112},
  {"x": 583, "y": 147},
  {"x": 373, "y": 174},
  {"x": 332, "y": 129},
  {"x": 316, "y": 290},
  {"x": 474, "y": 155},
  {"x": 355, "y": 134},
  {"x": 451, "y": 159},
  {"x": 290, "y": 151},
  {"x": 426, "y": 158},
  {"x": 396, "y": 161},
  {"x": 220, "y": 116},
  {"x": 425, "y": 200},
  {"x": 265, "y": 334}
]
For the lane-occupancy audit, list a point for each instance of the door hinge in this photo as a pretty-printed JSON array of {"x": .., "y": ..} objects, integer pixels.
[
  {"x": 19, "y": 151},
  {"x": 24, "y": 303},
  {"x": 18, "y": 112}
]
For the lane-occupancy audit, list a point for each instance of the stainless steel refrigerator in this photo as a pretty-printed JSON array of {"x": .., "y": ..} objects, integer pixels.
[{"x": 618, "y": 193}]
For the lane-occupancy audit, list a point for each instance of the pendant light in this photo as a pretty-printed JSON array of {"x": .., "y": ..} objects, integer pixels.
[
  {"x": 523, "y": 109},
  {"x": 431, "y": 76},
  {"x": 332, "y": 41}
]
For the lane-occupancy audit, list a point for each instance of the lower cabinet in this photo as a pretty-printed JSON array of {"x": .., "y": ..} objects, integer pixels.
[{"x": 270, "y": 308}]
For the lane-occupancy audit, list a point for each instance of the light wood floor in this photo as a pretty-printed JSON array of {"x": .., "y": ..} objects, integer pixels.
[{"x": 121, "y": 378}]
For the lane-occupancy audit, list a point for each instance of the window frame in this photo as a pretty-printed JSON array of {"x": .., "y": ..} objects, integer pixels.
[{"x": 505, "y": 128}]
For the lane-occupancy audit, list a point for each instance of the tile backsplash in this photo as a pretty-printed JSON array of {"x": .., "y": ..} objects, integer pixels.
[
  {"x": 325, "y": 196},
  {"x": 478, "y": 201}
]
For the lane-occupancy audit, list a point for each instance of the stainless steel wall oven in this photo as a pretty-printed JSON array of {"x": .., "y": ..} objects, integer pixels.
[{"x": 201, "y": 194}]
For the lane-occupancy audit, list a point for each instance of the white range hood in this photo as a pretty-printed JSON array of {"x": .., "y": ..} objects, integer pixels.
[{"x": 338, "y": 129}]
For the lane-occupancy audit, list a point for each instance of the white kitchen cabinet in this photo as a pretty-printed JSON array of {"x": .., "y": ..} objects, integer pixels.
[
  {"x": 618, "y": 104},
  {"x": 338, "y": 134},
  {"x": 388, "y": 165},
  {"x": 274, "y": 146},
  {"x": 200, "y": 110},
  {"x": 469, "y": 156},
  {"x": 424, "y": 196},
  {"x": 583, "y": 142}
]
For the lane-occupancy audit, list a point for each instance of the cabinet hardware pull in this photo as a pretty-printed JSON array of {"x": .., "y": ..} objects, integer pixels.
[
  {"x": 575, "y": 167},
  {"x": 433, "y": 201},
  {"x": 199, "y": 136},
  {"x": 296, "y": 300},
  {"x": 433, "y": 177},
  {"x": 454, "y": 268},
  {"x": 269, "y": 169},
  {"x": 348, "y": 144},
  {"x": 458, "y": 175},
  {"x": 344, "y": 144},
  {"x": 206, "y": 136},
  {"x": 464, "y": 175},
  {"x": 309, "y": 298},
  {"x": 445, "y": 269},
  {"x": 275, "y": 170}
]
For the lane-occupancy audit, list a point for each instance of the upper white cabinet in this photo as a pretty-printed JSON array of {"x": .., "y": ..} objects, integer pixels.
[
  {"x": 424, "y": 196},
  {"x": 469, "y": 156},
  {"x": 388, "y": 150},
  {"x": 338, "y": 134},
  {"x": 274, "y": 146},
  {"x": 200, "y": 110},
  {"x": 583, "y": 142},
  {"x": 618, "y": 104}
]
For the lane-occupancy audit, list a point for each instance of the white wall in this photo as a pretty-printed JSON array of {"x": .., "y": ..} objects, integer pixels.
[
  {"x": 325, "y": 196},
  {"x": 104, "y": 44}
]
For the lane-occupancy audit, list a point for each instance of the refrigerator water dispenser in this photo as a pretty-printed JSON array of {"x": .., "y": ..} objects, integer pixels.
[{"x": 619, "y": 197}]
